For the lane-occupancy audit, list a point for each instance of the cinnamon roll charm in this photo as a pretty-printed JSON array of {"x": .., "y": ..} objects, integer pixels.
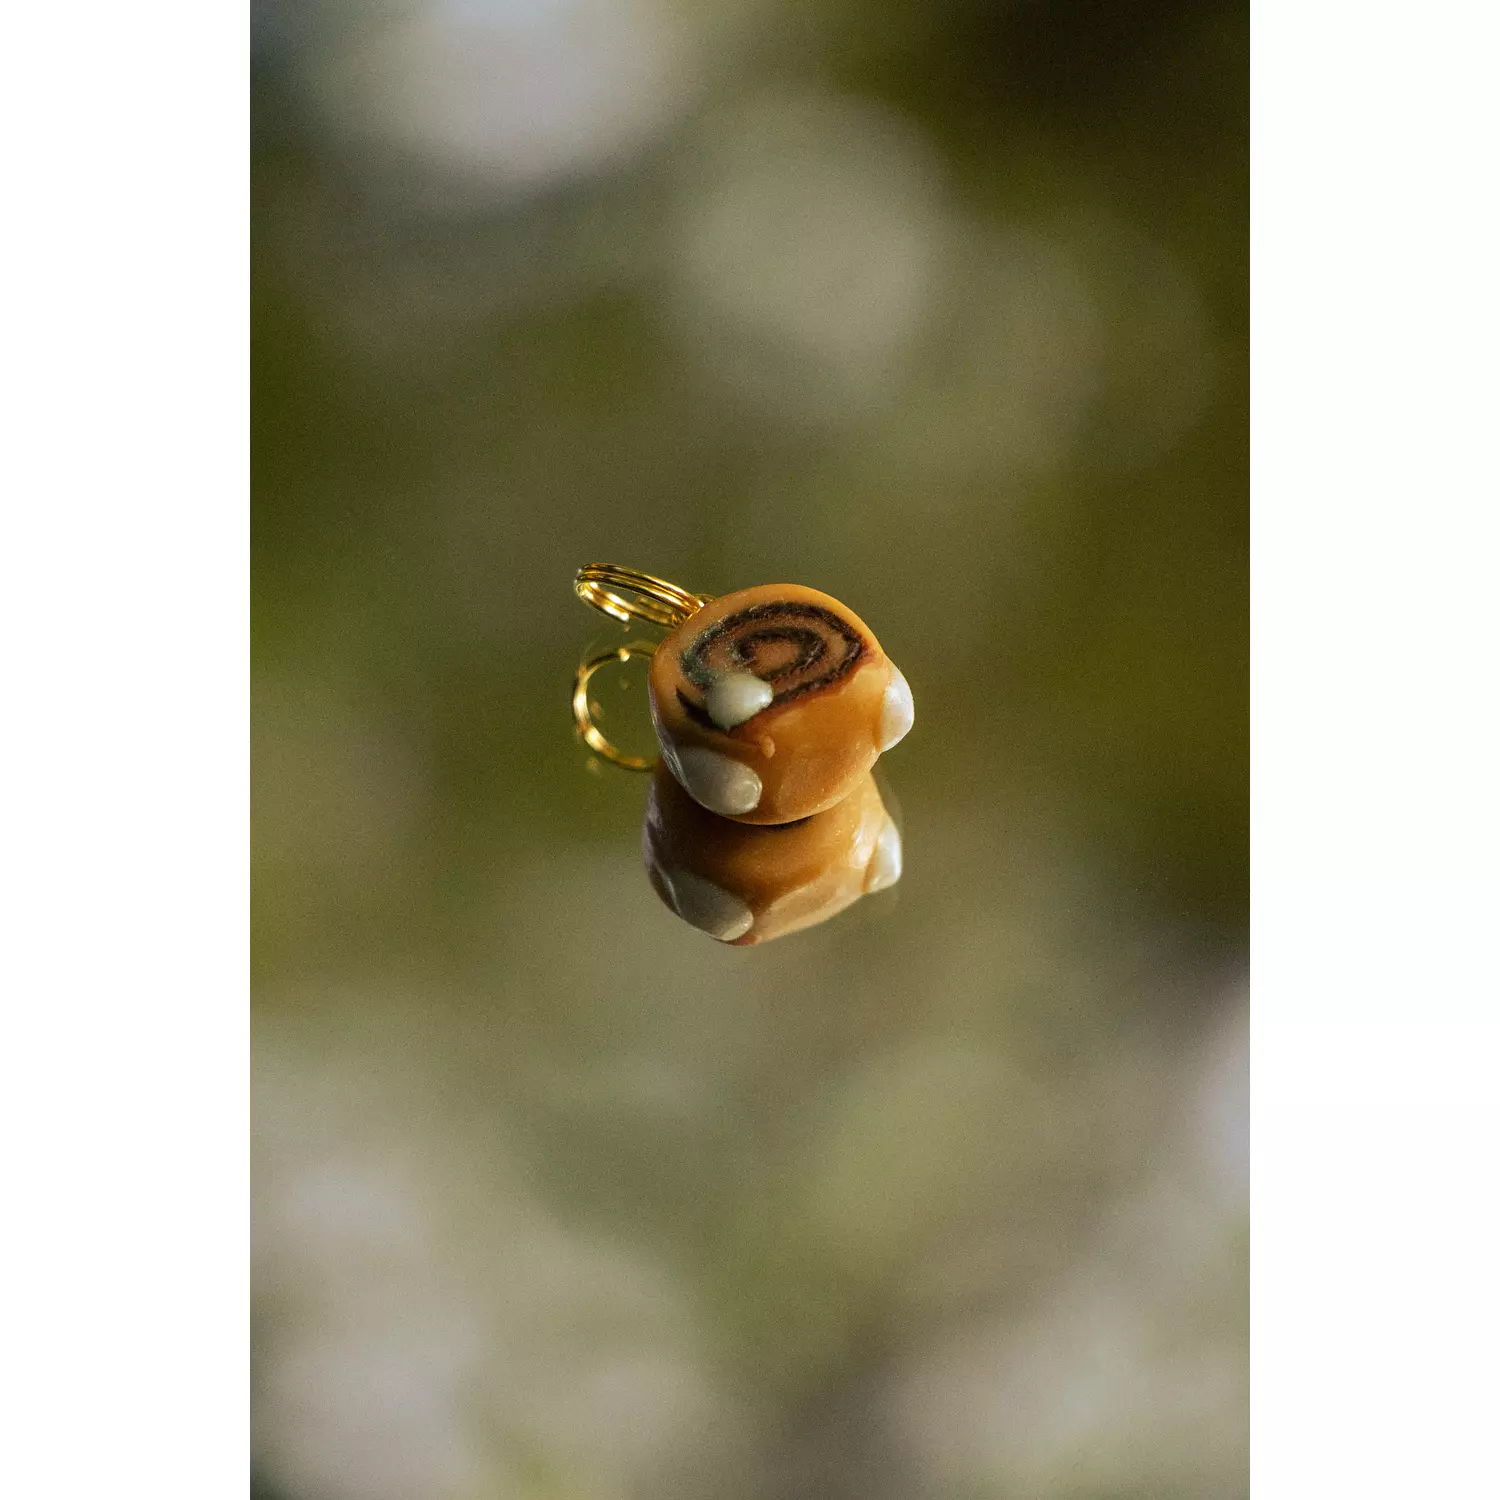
[{"x": 770, "y": 704}]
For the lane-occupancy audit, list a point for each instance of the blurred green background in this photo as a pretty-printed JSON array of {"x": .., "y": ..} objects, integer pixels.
[{"x": 941, "y": 308}]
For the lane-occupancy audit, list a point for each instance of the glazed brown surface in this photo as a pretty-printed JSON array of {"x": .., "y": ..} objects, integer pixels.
[
  {"x": 819, "y": 734},
  {"x": 791, "y": 876}
]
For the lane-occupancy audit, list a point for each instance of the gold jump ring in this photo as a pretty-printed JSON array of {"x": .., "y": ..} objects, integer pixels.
[
  {"x": 583, "y": 716},
  {"x": 653, "y": 599}
]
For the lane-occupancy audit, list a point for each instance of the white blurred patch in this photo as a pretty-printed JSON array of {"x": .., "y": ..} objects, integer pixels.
[
  {"x": 808, "y": 247},
  {"x": 512, "y": 94},
  {"x": 1128, "y": 1375},
  {"x": 369, "y": 1414},
  {"x": 425, "y": 1329}
]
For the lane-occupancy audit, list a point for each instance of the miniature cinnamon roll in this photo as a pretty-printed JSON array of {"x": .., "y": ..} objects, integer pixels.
[
  {"x": 772, "y": 703},
  {"x": 745, "y": 884}
]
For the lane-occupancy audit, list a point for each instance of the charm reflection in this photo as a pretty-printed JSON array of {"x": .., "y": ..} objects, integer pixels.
[{"x": 746, "y": 883}]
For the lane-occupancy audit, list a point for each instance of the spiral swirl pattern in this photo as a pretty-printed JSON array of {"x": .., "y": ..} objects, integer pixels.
[{"x": 797, "y": 648}]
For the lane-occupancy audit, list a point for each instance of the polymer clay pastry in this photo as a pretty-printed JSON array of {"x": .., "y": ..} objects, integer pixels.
[
  {"x": 744, "y": 884},
  {"x": 772, "y": 702},
  {"x": 769, "y": 703}
]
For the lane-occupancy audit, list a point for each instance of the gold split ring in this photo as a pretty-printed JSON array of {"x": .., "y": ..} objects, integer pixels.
[
  {"x": 652, "y": 599},
  {"x": 583, "y": 716}
]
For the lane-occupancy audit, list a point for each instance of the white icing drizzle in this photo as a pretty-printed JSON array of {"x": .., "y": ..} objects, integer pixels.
[{"x": 736, "y": 697}]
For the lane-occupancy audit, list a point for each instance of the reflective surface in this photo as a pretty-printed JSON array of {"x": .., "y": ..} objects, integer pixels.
[
  {"x": 941, "y": 309},
  {"x": 746, "y": 884}
]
